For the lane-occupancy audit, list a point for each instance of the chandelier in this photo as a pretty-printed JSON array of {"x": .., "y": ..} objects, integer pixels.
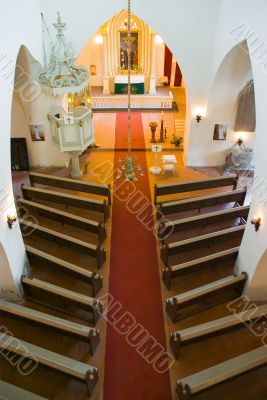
[{"x": 131, "y": 169}]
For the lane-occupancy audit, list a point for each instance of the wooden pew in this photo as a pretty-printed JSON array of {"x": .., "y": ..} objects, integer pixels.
[
  {"x": 64, "y": 240},
  {"x": 205, "y": 296},
  {"x": 216, "y": 327},
  {"x": 192, "y": 385},
  {"x": 92, "y": 278},
  {"x": 97, "y": 228},
  {"x": 171, "y": 249},
  {"x": 82, "y": 332},
  {"x": 191, "y": 186},
  {"x": 167, "y": 228},
  {"x": 11, "y": 392},
  {"x": 63, "y": 364},
  {"x": 99, "y": 189},
  {"x": 237, "y": 197},
  {"x": 69, "y": 200},
  {"x": 61, "y": 299},
  {"x": 214, "y": 260}
]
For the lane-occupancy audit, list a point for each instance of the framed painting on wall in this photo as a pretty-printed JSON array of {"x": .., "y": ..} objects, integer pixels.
[
  {"x": 134, "y": 57},
  {"x": 92, "y": 69},
  {"x": 220, "y": 131},
  {"x": 37, "y": 133}
]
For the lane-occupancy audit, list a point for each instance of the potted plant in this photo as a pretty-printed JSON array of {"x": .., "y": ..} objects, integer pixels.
[{"x": 177, "y": 140}]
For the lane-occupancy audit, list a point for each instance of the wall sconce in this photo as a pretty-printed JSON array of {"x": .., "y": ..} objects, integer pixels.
[
  {"x": 200, "y": 113},
  {"x": 198, "y": 118},
  {"x": 257, "y": 223},
  {"x": 10, "y": 220},
  {"x": 240, "y": 141}
]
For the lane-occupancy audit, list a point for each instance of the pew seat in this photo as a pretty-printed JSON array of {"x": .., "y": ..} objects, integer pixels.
[
  {"x": 61, "y": 299},
  {"x": 91, "y": 250},
  {"x": 168, "y": 228},
  {"x": 237, "y": 197},
  {"x": 194, "y": 185},
  {"x": 82, "y": 274},
  {"x": 66, "y": 199},
  {"x": 99, "y": 189},
  {"x": 79, "y": 331},
  {"x": 188, "y": 303},
  {"x": 214, "y": 260},
  {"x": 11, "y": 392},
  {"x": 94, "y": 227},
  {"x": 215, "y": 327},
  {"x": 171, "y": 249},
  {"x": 201, "y": 381},
  {"x": 58, "y": 362}
]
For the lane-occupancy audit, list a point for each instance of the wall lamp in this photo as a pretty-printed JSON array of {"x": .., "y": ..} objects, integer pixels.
[
  {"x": 198, "y": 118},
  {"x": 200, "y": 112},
  {"x": 10, "y": 220},
  {"x": 257, "y": 223}
]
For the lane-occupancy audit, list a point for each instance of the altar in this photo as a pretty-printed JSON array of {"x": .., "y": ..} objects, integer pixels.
[{"x": 137, "y": 84}]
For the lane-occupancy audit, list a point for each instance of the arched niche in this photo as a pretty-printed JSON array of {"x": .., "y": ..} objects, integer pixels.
[
  {"x": 234, "y": 72},
  {"x": 7, "y": 289}
]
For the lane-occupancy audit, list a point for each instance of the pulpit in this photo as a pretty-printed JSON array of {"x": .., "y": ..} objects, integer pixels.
[{"x": 72, "y": 133}]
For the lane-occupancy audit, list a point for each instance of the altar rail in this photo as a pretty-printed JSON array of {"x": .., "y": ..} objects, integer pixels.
[{"x": 137, "y": 102}]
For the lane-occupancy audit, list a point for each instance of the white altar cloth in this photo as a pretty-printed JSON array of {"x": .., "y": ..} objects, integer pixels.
[{"x": 134, "y": 78}]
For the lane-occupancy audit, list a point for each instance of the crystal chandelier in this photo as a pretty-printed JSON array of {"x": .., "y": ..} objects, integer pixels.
[{"x": 130, "y": 167}]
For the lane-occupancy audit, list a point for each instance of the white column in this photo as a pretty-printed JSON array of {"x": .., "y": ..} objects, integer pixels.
[
  {"x": 76, "y": 172},
  {"x": 152, "y": 86},
  {"x": 105, "y": 57}
]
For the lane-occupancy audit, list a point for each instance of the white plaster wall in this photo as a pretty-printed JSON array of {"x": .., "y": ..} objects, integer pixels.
[
  {"x": 24, "y": 113},
  {"x": 25, "y": 17},
  {"x": 93, "y": 53}
]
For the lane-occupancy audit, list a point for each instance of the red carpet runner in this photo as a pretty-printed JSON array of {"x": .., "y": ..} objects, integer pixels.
[{"x": 135, "y": 283}]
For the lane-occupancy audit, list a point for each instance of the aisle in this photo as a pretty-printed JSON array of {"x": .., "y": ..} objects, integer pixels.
[{"x": 135, "y": 284}]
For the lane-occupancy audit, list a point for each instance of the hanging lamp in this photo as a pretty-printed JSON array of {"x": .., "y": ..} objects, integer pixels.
[{"x": 130, "y": 167}]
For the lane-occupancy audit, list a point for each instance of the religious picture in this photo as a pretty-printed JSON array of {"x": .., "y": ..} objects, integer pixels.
[
  {"x": 220, "y": 131},
  {"x": 134, "y": 50},
  {"x": 92, "y": 69},
  {"x": 37, "y": 133}
]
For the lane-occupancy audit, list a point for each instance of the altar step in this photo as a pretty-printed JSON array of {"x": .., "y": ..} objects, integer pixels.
[{"x": 179, "y": 127}]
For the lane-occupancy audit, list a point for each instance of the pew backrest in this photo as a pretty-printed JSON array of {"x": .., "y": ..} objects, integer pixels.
[
  {"x": 95, "y": 227},
  {"x": 66, "y": 199},
  {"x": 66, "y": 326},
  {"x": 93, "y": 278},
  {"x": 202, "y": 220},
  {"x": 71, "y": 184},
  {"x": 172, "y": 271},
  {"x": 200, "y": 381},
  {"x": 197, "y": 203},
  {"x": 11, "y": 392},
  {"x": 191, "y": 186},
  {"x": 65, "y": 240},
  {"x": 52, "y": 360},
  {"x": 170, "y": 249}
]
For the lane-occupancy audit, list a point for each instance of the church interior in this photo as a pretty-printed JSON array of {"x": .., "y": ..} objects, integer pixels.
[{"x": 133, "y": 184}]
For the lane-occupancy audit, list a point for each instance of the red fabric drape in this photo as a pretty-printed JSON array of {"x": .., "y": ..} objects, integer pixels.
[
  {"x": 167, "y": 63},
  {"x": 178, "y": 76}
]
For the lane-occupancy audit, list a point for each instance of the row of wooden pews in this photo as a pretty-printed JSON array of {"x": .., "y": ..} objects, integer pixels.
[
  {"x": 63, "y": 222},
  {"x": 198, "y": 234}
]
